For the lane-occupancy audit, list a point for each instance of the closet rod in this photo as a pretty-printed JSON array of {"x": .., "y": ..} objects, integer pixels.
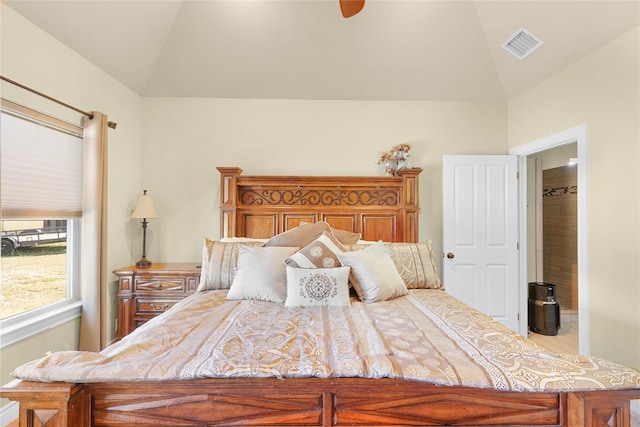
[{"x": 112, "y": 125}]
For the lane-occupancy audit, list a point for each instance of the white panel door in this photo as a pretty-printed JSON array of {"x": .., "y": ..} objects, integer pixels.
[{"x": 480, "y": 234}]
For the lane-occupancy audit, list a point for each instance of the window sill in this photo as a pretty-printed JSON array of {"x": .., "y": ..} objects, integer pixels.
[{"x": 25, "y": 325}]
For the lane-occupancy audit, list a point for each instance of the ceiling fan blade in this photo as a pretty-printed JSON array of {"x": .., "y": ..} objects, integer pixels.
[{"x": 351, "y": 7}]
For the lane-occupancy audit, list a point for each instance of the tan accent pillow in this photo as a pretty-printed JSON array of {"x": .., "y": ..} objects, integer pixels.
[
  {"x": 321, "y": 253},
  {"x": 308, "y": 287},
  {"x": 219, "y": 263},
  {"x": 414, "y": 261},
  {"x": 346, "y": 237},
  {"x": 307, "y": 232},
  {"x": 373, "y": 273},
  {"x": 261, "y": 274},
  {"x": 299, "y": 236}
]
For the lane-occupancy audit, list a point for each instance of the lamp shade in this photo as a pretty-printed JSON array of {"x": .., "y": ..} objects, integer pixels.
[{"x": 144, "y": 207}]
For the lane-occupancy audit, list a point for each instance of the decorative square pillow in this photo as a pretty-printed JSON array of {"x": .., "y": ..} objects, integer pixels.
[
  {"x": 414, "y": 261},
  {"x": 373, "y": 273},
  {"x": 307, "y": 232},
  {"x": 309, "y": 287},
  {"x": 261, "y": 274},
  {"x": 219, "y": 263},
  {"x": 321, "y": 253}
]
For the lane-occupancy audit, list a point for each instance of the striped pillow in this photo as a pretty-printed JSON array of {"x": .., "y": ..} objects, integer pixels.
[
  {"x": 220, "y": 263},
  {"x": 414, "y": 261}
]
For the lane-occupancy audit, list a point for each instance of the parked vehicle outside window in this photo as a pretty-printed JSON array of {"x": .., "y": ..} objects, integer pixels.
[{"x": 33, "y": 265}]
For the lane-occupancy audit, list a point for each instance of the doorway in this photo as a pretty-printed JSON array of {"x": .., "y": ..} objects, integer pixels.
[
  {"x": 577, "y": 136},
  {"x": 552, "y": 221}
]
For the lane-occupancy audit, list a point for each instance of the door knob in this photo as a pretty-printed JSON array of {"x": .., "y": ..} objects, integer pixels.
[{"x": 450, "y": 255}]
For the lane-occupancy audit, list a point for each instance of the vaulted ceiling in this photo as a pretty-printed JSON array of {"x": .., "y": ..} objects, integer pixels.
[{"x": 305, "y": 49}]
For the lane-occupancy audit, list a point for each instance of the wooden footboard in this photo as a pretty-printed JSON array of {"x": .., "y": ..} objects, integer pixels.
[{"x": 307, "y": 402}]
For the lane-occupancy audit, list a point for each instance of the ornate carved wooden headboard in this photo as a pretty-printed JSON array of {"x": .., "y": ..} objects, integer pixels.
[{"x": 381, "y": 208}]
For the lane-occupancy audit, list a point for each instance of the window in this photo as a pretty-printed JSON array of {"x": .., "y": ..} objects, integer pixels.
[
  {"x": 35, "y": 261},
  {"x": 41, "y": 192}
]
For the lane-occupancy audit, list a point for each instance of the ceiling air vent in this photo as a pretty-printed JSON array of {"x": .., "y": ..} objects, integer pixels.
[{"x": 522, "y": 43}]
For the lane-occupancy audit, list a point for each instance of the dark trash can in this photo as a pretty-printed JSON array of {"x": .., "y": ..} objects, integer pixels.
[{"x": 543, "y": 307}]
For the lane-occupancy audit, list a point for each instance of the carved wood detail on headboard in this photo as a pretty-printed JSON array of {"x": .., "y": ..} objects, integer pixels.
[{"x": 261, "y": 206}]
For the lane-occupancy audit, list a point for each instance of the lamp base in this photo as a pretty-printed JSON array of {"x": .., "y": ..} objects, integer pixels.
[{"x": 144, "y": 262}]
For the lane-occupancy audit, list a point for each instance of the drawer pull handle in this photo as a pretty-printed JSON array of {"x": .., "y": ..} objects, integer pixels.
[{"x": 162, "y": 307}]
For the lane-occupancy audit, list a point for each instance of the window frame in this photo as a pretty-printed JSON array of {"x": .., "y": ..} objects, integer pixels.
[
  {"x": 32, "y": 322},
  {"x": 29, "y": 323}
]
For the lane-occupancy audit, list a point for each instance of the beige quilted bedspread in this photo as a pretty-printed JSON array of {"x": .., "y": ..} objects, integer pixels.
[{"x": 427, "y": 336}]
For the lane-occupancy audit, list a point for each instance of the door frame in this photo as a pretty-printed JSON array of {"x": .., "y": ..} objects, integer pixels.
[{"x": 576, "y": 135}]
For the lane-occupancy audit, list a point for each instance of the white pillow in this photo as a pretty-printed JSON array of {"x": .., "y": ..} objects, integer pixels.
[
  {"x": 241, "y": 240},
  {"x": 308, "y": 287},
  {"x": 261, "y": 273},
  {"x": 373, "y": 274}
]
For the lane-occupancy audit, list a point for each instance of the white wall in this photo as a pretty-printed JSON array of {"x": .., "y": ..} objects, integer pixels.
[
  {"x": 32, "y": 57},
  {"x": 603, "y": 91},
  {"x": 185, "y": 139}
]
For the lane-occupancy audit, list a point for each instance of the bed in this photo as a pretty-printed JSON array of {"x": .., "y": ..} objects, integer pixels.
[{"x": 420, "y": 385}]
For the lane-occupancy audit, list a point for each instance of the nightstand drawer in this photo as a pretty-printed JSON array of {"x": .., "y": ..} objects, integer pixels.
[
  {"x": 159, "y": 283},
  {"x": 154, "y": 305},
  {"x": 141, "y": 321},
  {"x": 144, "y": 293}
]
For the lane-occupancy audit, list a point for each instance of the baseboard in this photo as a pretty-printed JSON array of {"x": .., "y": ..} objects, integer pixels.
[{"x": 9, "y": 413}]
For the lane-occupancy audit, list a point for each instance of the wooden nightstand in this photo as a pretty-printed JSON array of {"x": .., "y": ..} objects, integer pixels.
[{"x": 144, "y": 293}]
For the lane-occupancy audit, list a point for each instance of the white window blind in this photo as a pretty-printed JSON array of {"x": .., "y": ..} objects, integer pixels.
[{"x": 42, "y": 168}]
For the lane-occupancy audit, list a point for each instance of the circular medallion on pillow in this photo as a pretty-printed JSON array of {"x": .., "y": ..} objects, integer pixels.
[{"x": 317, "y": 286}]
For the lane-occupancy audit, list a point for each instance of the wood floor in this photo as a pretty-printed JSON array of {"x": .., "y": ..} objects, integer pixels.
[{"x": 567, "y": 339}]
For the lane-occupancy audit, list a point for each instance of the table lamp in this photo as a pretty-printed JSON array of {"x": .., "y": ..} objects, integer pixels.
[{"x": 144, "y": 209}]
